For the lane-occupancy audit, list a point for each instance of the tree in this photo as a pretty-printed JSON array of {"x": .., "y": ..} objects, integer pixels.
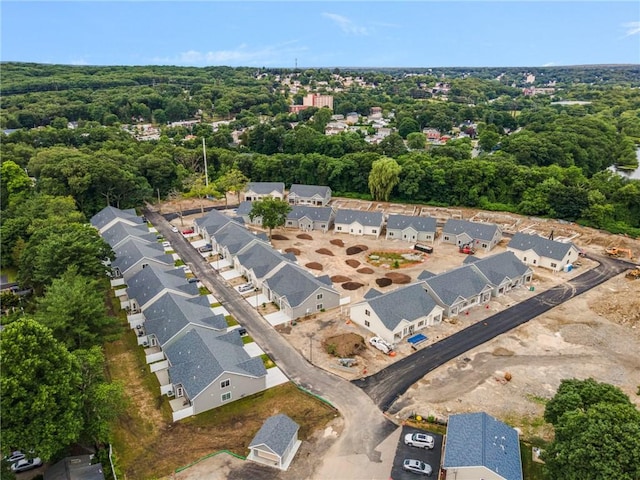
[
  {"x": 392, "y": 146},
  {"x": 273, "y": 212},
  {"x": 14, "y": 181},
  {"x": 199, "y": 188},
  {"x": 40, "y": 398},
  {"x": 73, "y": 309},
  {"x": 384, "y": 175},
  {"x": 233, "y": 181},
  {"x": 597, "y": 433},
  {"x": 416, "y": 141}
]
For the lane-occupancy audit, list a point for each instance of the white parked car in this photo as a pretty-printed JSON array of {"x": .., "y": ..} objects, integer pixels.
[
  {"x": 24, "y": 465},
  {"x": 421, "y": 440},
  {"x": 245, "y": 288},
  {"x": 174, "y": 229},
  {"x": 381, "y": 345},
  {"x": 15, "y": 456},
  {"x": 416, "y": 466}
]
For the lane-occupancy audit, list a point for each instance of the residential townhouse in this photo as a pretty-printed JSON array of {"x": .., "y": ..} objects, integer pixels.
[
  {"x": 257, "y": 260},
  {"x": 543, "y": 252},
  {"x": 109, "y": 216},
  {"x": 133, "y": 255},
  {"x": 231, "y": 237},
  {"x": 310, "y": 218},
  {"x": 210, "y": 223},
  {"x": 208, "y": 369},
  {"x": 259, "y": 190},
  {"x": 298, "y": 293},
  {"x": 120, "y": 233},
  {"x": 481, "y": 236},
  {"x": 243, "y": 211},
  {"x": 411, "y": 228},
  {"x": 504, "y": 271},
  {"x": 316, "y": 195},
  {"x": 150, "y": 283},
  {"x": 397, "y": 314},
  {"x": 358, "y": 222}
]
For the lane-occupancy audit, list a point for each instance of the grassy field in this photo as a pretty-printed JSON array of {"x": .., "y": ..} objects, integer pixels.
[{"x": 148, "y": 445}]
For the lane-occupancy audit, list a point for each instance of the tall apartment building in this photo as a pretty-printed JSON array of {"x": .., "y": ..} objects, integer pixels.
[{"x": 313, "y": 100}]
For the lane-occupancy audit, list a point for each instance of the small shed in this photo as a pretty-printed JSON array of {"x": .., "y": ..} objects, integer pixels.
[{"x": 276, "y": 443}]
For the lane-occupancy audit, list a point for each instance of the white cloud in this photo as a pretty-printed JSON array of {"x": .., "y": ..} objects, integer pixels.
[
  {"x": 633, "y": 28},
  {"x": 346, "y": 25},
  {"x": 549, "y": 64},
  {"x": 242, "y": 55}
]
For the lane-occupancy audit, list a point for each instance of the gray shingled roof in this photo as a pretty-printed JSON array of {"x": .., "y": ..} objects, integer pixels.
[
  {"x": 75, "y": 468},
  {"x": 172, "y": 313},
  {"x": 212, "y": 221},
  {"x": 315, "y": 214},
  {"x": 405, "y": 303},
  {"x": 476, "y": 230},
  {"x": 201, "y": 356},
  {"x": 120, "y": 231},
  {"x": 260, "y": 258},
  {"x": 426, "y": 274},
  {"x": 150, "y": 281},
  {"x": 133, "y": 251},
  {"x": 542, "y": 246},
  {"x": 478, "y": 439},
  {"x": 244, "y": 208},
  {"x": 308, "y": 191},
  {"x": 234, "y": 236},
  {"x": 107, "y": 214},
  {"x": 420, "y": 224},
  {"x": 460, "y": 282},
  {"x": 498, "y": 268},
  {"x": 276, "y": 433},
  {"x": 295, "y": 284},
  {"x": 372, "y": 293},
  {"x": 265, "y": 188},
  {"x": 368, "y": 219}
]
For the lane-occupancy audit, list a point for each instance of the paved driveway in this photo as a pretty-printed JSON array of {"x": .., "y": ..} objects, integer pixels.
[{"x": 432, "y": 457}]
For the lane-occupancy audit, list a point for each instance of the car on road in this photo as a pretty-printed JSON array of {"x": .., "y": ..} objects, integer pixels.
[
  {"x": 24, "y": 465},
  {"x": 187, "y": 231},
  {"x": 416, "y": 466},
  {"x": 166, "y": 244},
  {"x": 192, "y": 280},
  {"x": 174, "y": 229},
  {"x": 380, "y": 344},
  {"x": 15, "y": 456},
  {"x": 245, "y": 288},
  {"x": 421, "y": 440}
]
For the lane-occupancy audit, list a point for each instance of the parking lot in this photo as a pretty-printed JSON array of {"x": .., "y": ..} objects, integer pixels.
[{"x": 432, "y": 457}]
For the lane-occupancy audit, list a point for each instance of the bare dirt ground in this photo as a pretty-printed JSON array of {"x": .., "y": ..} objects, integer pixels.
[{"x": 594, "y": 335}]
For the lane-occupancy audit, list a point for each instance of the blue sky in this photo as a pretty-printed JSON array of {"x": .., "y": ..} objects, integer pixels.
[{"x": 321, "y": 34}]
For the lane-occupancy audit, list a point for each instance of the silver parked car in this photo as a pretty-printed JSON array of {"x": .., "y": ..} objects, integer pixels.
[
  {"x": 416, "y": 466},
  {"x": 24, "y": 465},
  {"x": 421, "y": 440}
]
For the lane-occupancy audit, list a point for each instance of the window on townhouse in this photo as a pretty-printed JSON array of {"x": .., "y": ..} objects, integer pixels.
[
  {"x": 421, "y": 323},
  {"x": 338, "y": 228},
  {"x": 225, "y": 397},
  {"x": 391, "y": 234},
  {"x": 319, "y": 307},
  {"x": 484, "y": 245},
  {"x": 319, "y": 296},
  {"x": 225, "y": 383},
  {"x": 554, "y": 265},
  {"x": 446, "y": 237},
  {"x": 366, "y": 323},
  {"x": 367, "y": 313},
  {"x": 374, "y": 231}
]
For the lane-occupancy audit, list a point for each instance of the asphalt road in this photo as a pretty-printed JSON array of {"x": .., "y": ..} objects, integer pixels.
[
  {"x": 365, "y": 425},
  {"x": 387, "y": 385}
]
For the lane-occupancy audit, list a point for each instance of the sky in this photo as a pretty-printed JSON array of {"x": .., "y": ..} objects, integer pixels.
[{"x": 309, "y": 34}]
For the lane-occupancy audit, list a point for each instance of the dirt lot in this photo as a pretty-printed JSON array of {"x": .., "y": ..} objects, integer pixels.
[{"x": 595, "y": 335}]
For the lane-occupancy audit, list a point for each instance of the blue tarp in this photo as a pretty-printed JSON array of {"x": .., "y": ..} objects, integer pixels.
[{"x": 417, "y": 338}]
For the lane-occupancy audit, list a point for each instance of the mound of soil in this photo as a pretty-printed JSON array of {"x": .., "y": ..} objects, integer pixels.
[
  {"x": 314, "y": 266},
  {"x": 345, "y": 345},
  {"x": 340, "y": 279},
  {"x": 337, "y": 242},
  {"x": 365, "y": 270},
  {"x": 277, "y": 236},
  {"x": 398, "y": 278},
  {"x": 363, "y": 248},
  {"x": 295, "y": 251},
  {"x": 353, "y": 263},
  {"x": 352, "y": 285},
  {"x": 304, "y": 236},
  {"x": 325, "y": 251},
  {"x": 354, "y": 250},
  {"x": 383, "y": 282}
]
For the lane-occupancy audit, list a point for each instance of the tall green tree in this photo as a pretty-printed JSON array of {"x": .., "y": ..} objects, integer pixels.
[
  {"x": 200, "y": 189},
  {"x": 273, "y": 212},
  {"x": 233, "y": 181},
  {"x": 597, "y": 433},
  {"x": 14, "y": 181},
  {"x": 73, "y": 309},
  {"x": 41, "y": 403},
  {"x": 384, "y": 176},
  {"x": 416, "y": 141}
]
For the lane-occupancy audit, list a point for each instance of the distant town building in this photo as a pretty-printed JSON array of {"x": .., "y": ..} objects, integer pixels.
[{"x": 313, "y": 100}]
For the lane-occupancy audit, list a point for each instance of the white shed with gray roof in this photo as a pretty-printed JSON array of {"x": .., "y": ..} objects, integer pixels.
[
  {"x": 481, "y": 236},
  {"x": 310, "y": 218},
  {"x": 397, "y": 314},
  {"x": 358, "y": 222},
  {"x": 309, "y": 195},
  {"x": 276, "y": 443},
  {"x": 542, "y": 252}
]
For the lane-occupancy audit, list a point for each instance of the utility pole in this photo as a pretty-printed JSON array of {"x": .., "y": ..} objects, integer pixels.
[{"x": 206, "y": 175}]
